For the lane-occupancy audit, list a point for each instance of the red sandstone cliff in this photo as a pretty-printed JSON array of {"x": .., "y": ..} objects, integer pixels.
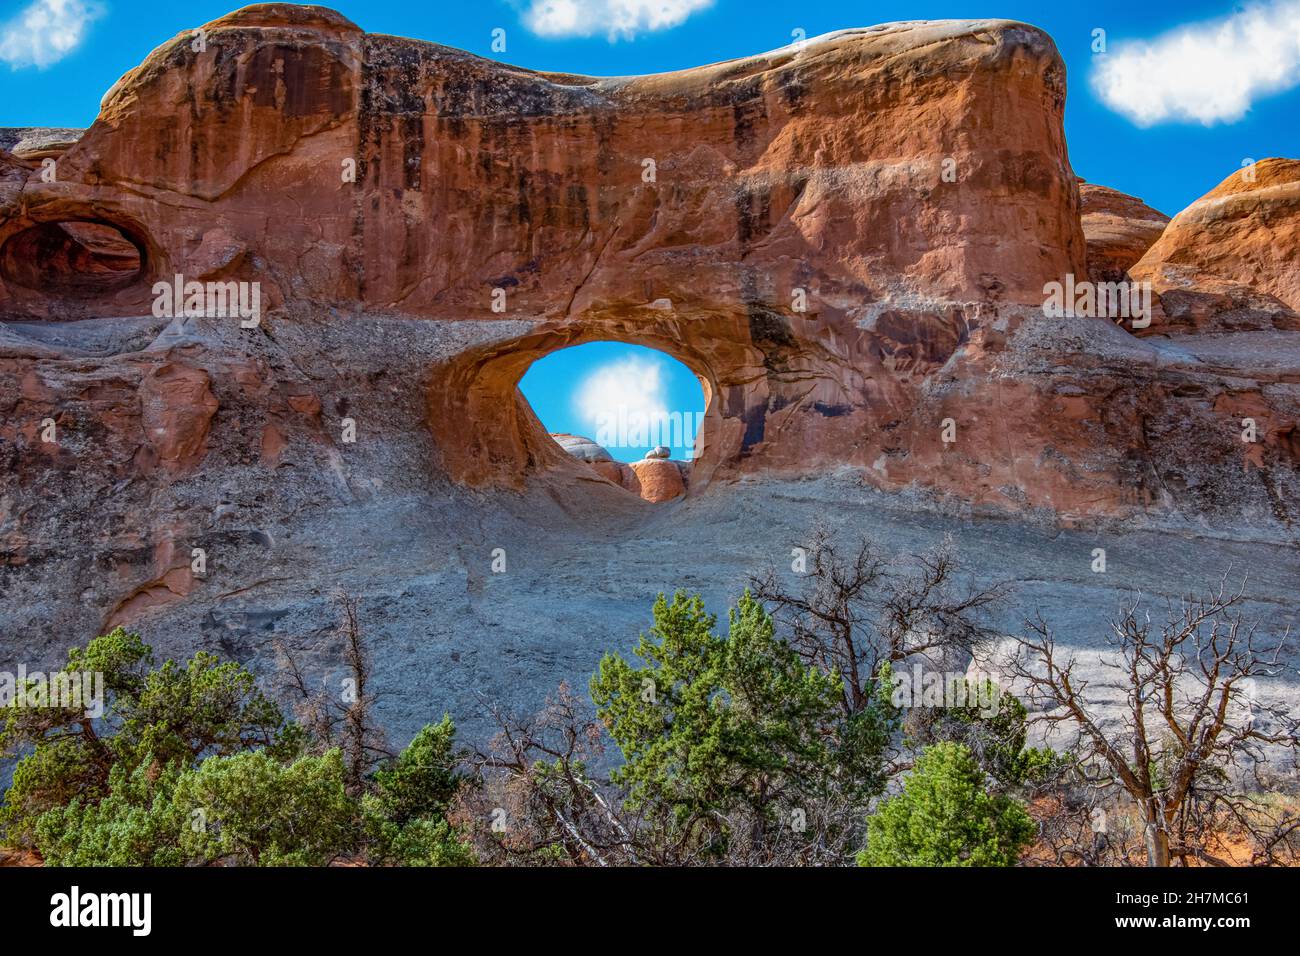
[{"x": 847, "y": 241}]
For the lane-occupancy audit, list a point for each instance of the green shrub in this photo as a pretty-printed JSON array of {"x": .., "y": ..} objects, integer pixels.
[{"x": 945, "y": 817}]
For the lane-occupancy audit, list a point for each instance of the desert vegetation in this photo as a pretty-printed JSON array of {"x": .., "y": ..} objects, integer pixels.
[{"x": 777, "y": 737}]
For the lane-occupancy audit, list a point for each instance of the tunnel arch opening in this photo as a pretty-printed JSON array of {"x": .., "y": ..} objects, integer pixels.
[
  {"x": 487, "y": 433},
  {"x": 76, "y": 258},
  {"x": 631, "y": 413}
]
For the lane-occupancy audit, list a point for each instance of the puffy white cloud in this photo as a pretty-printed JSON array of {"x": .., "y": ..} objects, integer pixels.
[
  {"x": 1208, "y": 72},
  {"x": 630, "y": 390},
  {"x": 614, "y": 18},
  {"x": 46, "y": 31}
]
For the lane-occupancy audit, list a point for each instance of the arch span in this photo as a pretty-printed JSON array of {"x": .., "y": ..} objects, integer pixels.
[{"x": 489, "y": 435}]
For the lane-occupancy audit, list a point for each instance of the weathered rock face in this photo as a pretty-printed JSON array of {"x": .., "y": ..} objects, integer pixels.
[
  {"x": 1236, "y": 244},
  {"x": 764, "y": 220},
  {"x": 13, "y": 176},
  {"x": 32, "y": 143},
  {"x": 847, "y": 242},
  {"x": 1118, "y": 230}
]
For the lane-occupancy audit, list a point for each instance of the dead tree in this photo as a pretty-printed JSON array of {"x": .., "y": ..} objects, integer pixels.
[
  {"x": 342, "y": 718},
  {"x": 357, "y": 731},
  {"x": 535, "y": 799},
  {"x": 1189, "y": 744},
  {"x": 855, "y": 607}
]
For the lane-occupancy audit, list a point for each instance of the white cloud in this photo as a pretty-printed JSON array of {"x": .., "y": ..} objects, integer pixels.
[
  {"x": 46, "y": 31},
  {"x": 630, "y": 390},
  {"x": 614, "y": 18},
  {"x": 1209, "y": 72}
]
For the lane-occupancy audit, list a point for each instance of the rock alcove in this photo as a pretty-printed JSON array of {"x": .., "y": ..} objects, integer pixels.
[{"x": 75, "y": 258}]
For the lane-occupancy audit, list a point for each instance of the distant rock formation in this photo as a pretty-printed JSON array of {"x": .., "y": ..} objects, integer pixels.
[
  {"x": 1231, "y": 260},
  {"x": 1118, "y": 229},
  {"x": 656, "y": 478},
  {"x": 580, "y": 447}
]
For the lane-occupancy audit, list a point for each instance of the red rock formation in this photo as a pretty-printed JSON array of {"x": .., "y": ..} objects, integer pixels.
[
  {"x": 172, "y": 581},
  {"x": 847, "y": 242},
  {"x": 1235, "y": 248},
  {"x": 616, "y": 472},
  {"x": 176, "y": 408},
  {"x": 659, "y": 479},
  {"x": 1118, "y": 229},
  {"x": 687, "y": 210}
]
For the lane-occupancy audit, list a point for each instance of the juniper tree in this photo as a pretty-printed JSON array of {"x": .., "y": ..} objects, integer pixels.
[
  {"x": 734, "y": 747},
  {"x": 154, "y": 717},
  {"x": 945, "y": 816}
]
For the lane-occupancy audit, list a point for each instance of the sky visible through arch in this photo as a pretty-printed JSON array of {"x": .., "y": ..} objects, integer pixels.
[
  {"x": 1166, "y": 97},
  {"x": 628, "y": 398}
]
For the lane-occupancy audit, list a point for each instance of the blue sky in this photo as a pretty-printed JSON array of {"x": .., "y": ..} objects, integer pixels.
[
  {"x": 1186, "y": 91},
  {"x": 581, "y": 391}
]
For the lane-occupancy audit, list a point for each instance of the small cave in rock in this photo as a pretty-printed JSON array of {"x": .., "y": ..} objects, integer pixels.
[
  {"x": 630, "y": 413},
  {"x": 75, "y": 258}
]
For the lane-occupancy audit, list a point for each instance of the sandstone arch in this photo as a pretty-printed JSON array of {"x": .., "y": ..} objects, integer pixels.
[
  {"x": 799, "y": 246},
  {"x": 488, "y": 434},
  {"x": 816, "y": 169}
]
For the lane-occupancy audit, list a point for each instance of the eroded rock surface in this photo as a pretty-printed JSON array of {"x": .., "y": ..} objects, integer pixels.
[
  {"x": 847, "y": 241},
  {"x": 34, "y": 143}
]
